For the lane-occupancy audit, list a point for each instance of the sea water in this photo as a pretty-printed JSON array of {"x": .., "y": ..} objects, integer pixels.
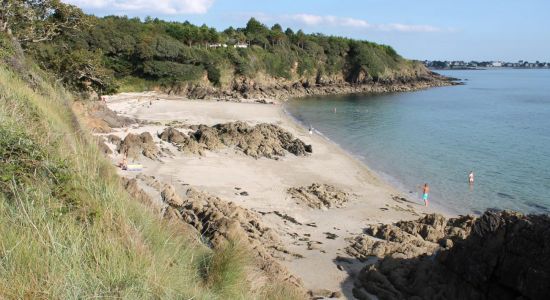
[{"x": 497, "y": 125}]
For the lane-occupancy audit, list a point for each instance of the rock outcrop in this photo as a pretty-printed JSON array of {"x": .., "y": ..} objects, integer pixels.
[
  {"x": 409, "y": 239},
  {"x": 135, "y": 145},
  {"x": 319, "y": 196},
  {"x": 262, "y": 89},
  {"x": 500, "y": 255},
  {"x": 218, "y": 222},
  {"x": 262, "y": 140},
  {"x": 99, "y": 118},
  {"x": 132, "y": 187}
]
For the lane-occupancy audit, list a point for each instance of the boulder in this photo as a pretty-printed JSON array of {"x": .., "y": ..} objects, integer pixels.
[
  {"x": 135, "y": 145},
  {"x": 500, "y": 255},
  {"x": 132, "y": 187},
  {"x": 114, "y": 139},
  {"x": 170, "y": 196},
  {"x": 262, "y": 140},
  {"x": 319, "y": 196},
  {"x": 103, "y": 148},
  {"x": 184, "y": 142}
]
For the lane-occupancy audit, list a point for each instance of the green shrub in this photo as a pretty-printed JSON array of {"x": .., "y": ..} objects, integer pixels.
[
  {"x": 172, "y": 70},
  {"x": 173, "y": 52},
  {"x": 214, "y": 74}
]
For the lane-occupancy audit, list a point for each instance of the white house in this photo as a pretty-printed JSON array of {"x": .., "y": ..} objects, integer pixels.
[
  {"x": 240, "y": 45},
  {"x": 217, "y": 45}
]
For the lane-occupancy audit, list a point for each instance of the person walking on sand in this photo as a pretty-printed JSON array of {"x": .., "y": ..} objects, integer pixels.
[
  {"x": 471, "y": 177},
  {"x": 425, "y": 192}
]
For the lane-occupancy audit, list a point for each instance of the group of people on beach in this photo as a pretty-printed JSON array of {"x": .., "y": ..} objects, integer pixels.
[{"x": 426, "y": 188}]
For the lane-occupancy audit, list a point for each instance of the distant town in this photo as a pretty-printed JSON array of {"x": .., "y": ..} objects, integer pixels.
[{"x": 473, "y": 65}]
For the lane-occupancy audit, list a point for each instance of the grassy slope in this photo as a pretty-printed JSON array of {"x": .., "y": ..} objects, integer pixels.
[{"x": 68, "y": 229}]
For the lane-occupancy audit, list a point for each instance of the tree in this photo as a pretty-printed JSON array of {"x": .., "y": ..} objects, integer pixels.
[
  {"x": 277, "y": 27},
  {"x": 31, "y": 21},
  {"x": 256, "y": 32},
  {"x": 276, "y": 35},
  {"x": 253, "y": 26},
  {"x": 213, "y": 35},
  {"x": 289, "y": 32},
  {"x": 300, "y": 38}
]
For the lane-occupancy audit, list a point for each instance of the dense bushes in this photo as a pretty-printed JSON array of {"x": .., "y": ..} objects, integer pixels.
[
  {"x": 168, "y": 69},
  {"x": 112, "y": 48}
]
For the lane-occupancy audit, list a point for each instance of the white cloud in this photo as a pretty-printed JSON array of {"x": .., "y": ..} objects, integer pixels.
[
  {"x": 313, "y": 20},
  {"x": 332, "y": 21},
  {"x": 409, "y": 28},
  {"x": 168, "y": 7}
]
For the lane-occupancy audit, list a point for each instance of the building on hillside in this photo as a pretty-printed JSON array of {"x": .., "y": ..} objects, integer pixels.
[
  {"x": 240, "y": 45},
  {"x": 218, "y": 45}
]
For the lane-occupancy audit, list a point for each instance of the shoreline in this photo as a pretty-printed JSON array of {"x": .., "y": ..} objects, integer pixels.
[
  {"x": 387, "y": 179},
  {"x": 263, "y": 91},
  {"x": 265, "y": 181}
]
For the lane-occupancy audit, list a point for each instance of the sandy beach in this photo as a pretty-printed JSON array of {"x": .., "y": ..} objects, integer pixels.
[{"x": 316, "y": 238}]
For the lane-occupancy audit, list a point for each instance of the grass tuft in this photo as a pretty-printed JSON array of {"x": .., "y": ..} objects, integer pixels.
[{"x": 68, "y": 229}]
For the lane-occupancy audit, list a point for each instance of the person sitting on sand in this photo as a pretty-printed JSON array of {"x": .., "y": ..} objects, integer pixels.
[
  {"x": 425, "y": 192},
  {"x": 124, "y": 163},
  {"x": 471, "y": 177}
]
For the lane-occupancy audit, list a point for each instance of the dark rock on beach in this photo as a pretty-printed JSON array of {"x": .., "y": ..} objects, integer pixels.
[
  {"x": 135, "y": 145},
  {"x": 500, "y": 255},
  {"x": 262, "y": 140},
  {"x": 319, "y": 196},
  {"x": 219, "y": 223},
  {"x": 222, "y": 222}
]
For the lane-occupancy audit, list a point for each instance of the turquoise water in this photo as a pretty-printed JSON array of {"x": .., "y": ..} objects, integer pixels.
[{"x": 497, "y": 124}]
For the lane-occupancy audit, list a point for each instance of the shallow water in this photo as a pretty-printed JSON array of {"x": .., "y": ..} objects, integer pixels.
[{"x": 497, "y": 125}]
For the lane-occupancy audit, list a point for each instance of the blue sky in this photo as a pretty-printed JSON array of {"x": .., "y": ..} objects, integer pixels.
[{"x": 418, "y": 29}]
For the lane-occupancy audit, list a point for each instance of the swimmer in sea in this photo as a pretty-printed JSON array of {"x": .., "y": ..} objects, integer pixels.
[{"x": 425, "y": 192}]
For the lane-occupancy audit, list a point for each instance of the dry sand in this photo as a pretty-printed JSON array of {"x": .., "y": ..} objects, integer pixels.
[{"x": 266, "y": 181}]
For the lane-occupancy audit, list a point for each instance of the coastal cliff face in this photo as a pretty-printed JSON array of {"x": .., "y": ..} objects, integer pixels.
[
  {"x": 265, "y": 88},
  {"x": 500, "y": 255}
]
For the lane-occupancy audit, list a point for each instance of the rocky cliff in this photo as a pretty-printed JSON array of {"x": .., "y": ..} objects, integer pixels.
[
  {"x": 266, "y": 88},
  {"x": 500, "y": 255}
]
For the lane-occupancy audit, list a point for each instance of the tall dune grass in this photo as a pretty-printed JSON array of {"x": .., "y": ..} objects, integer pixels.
[{"x": 67, "y": 228}]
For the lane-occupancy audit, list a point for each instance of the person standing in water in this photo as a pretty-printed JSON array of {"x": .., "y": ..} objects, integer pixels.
[
  {"x": 471, "y": 177},
  {"x": 425, "y": 192}
]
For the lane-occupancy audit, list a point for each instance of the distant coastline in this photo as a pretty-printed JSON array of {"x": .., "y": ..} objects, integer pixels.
[
  {"x": 484, "y": 69},
  {"x": 483, "y": 65}
]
